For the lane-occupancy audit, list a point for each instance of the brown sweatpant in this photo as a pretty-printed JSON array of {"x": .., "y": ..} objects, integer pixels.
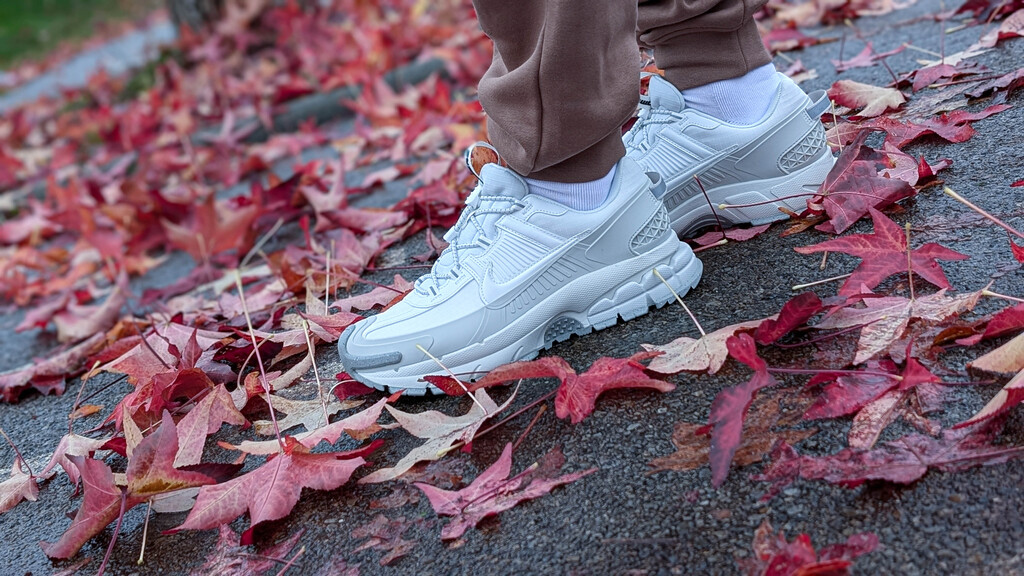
[{"x": 565, "y": 74}]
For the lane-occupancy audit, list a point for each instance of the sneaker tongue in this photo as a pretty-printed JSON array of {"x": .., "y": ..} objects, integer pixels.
[
  {"x": 500, "y": 181},
  {"x": 496, "y": 180},
  {"x": 664, "y": 95}
]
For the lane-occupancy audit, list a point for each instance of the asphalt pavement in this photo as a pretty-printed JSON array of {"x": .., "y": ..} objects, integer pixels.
[{"x": 622, "y": 520}]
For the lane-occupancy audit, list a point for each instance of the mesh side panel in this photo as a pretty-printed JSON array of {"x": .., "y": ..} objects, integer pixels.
[
  {"x": 803, "y": 151},
  {"x": 652, "y": 230}
]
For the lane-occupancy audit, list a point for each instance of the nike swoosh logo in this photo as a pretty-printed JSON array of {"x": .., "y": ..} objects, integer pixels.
[{"x": 494, "y": 294}]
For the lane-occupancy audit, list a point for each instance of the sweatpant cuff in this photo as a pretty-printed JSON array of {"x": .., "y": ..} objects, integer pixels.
[
  {"x": 590, "y": 164},
  {"x": 701, "y": 57}
]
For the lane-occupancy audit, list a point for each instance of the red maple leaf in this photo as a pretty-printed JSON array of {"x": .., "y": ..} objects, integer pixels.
[
  {"x": 214, "y": 410},
  {"x": 774, "y": 556},
  {"x": 901, "y": 461},
  {"x": 849, "y": 393},
  {"x": 730, "y": 407},
  {"x": 884, "y": 253},
  {"x": 1018, "y": 251},
  {"x": 1007, "y": 321},
  {"x": 794, "y": 313},
  {"x": 151, "y": 472},
  {"x": 493, "y": 492},
  {"x": 853, "y": 186},
  {"x": 230, "y": 557},
  {"x": 577, "y": 393},
  {"x": 272, "y": 490},
  {"x": 952, "y": 126},
  {"x": 217, "y": 226}
]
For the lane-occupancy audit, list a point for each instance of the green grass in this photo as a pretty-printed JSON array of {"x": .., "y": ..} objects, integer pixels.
[{"x": 30, "y": 28}]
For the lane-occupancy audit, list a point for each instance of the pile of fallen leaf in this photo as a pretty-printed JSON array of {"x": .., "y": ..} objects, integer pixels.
[{"x": 104, "y": 184}]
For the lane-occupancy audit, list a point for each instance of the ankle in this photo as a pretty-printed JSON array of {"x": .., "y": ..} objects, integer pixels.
[
  {"x": 575, "y": 195},
  {"x": 743, "y": 100}
]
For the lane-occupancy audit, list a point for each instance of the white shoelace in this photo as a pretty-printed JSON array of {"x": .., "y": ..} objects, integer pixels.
[{"x": 477, "y": 206}]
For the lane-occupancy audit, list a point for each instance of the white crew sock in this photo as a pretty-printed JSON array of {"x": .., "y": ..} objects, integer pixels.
[
  {"x": 575, "y": 195},
  {"x": 743, "y": 100}
]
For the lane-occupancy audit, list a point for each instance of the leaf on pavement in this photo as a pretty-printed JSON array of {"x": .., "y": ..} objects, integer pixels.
[
  {"x": 885, "y": 319},
  {"x": 775, "y": 556},
  {"x": 707, "y": 353},
  {"x": 379, "y": 296},
  {"x": 873, "y": 100},
  {"x": 71, "y": 445},
  {"x": 848, "y": 393},
  {"x": 577, "y": 393},
  {"x": 80, "y": 322},
  {"x": 729, "y": 408},
  {"x": 150, "y": 472},
  {"x": 101, "y": 502},
  {"x": 734, "y": 234},
  {"x": 493, "y": 492},
  {"x": 884, "y": 253},
  {"x": 1018, "y": 251},
  {"x": 47, "y": 375},
  {"x": 759, "y": 435},
  {"x": 439, "y": 430},
  {"x": 902, "y": 461},
  {"x": 215, "y": 409},
  {"x": 359, "y": 426},
  {"x": 871, "y": 420},
  {"x": 20, "y": 486},
  {"x": 1006, "y": 321},
  {"x": 1007, "y": 359},
  {"x": 307, "y": 413},
  {"x": 854, "y": 185},
  {"x": 229, "y": 557},
  {"x": 272, "y": 490},
  {"x": 794, "y": 314},
  {"x": 384, "y": 534}
]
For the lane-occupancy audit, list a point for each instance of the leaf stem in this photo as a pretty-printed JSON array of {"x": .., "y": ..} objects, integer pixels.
[
  {"x": 680, "y": 300},
  {"x": 316, "y": 373},
  {"x": 1003, "y": 296},
  {"x": 949, "y": 192},
  {"x": 822, "y": 281},
  {"x": 145, "y": 531},
  {"x": 78, "y": 397},
  {"x": 117, "y": 530},
  {"x": 16, "y": 451},
  {"x": 515, "y": 414},
  {"x": 540, "y": 412},
  {"x": 851, "y": 372},
  {"x": 456, "y": 378},
  {"x": 710, "y": 205},
  {"x": 714, "y": 244},
  {"x": 259, "y": 360},
  {"x": 821, "y": 338},
  {"x": 910, "y": 264},
  {"x": 292, "y": 561}
]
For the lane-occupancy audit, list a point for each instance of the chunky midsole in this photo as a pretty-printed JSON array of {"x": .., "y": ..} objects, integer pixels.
[{"x": 576, "y": 308}]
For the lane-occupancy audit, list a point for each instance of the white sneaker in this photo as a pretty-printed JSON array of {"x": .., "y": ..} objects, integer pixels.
[
  {"x": 522, "y": 272},
  {"x": 781, "y": 155}
]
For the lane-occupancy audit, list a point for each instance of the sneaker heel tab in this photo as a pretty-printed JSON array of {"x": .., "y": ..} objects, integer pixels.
[
  {"x": 819, "y": 104},
  {"x": 657, "y": 185}
]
